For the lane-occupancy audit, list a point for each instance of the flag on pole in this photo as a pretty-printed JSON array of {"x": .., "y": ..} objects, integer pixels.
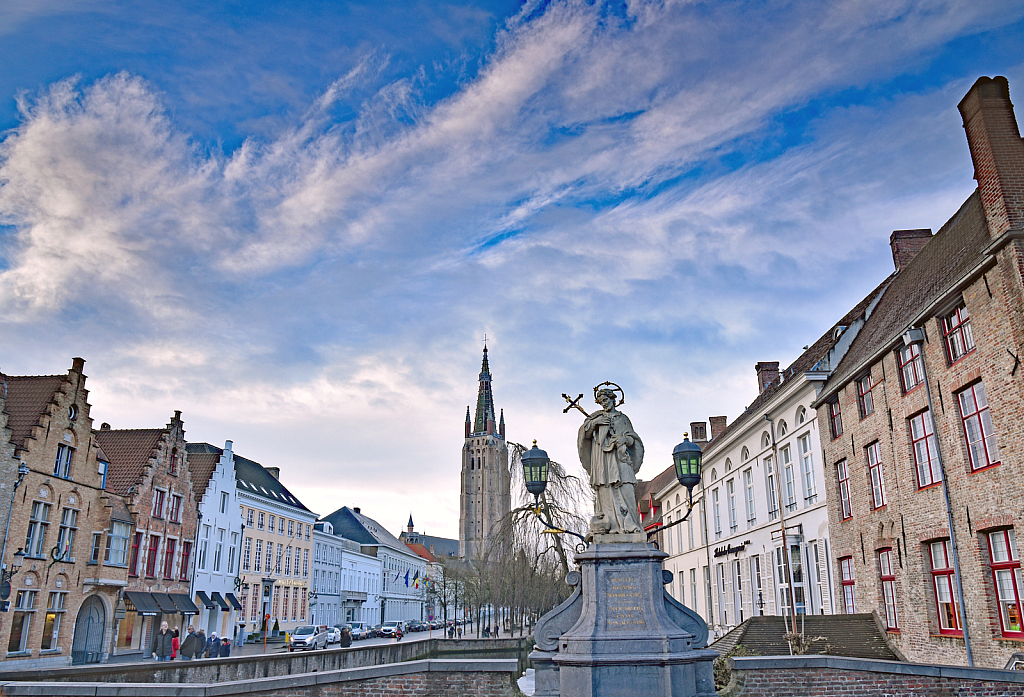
[{"x": 406, "y": 578}]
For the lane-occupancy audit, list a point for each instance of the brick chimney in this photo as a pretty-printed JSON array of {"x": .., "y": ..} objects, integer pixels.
[
  {"x": 275, "y": 472},
  {"x": 698, "y": 431},
  {"x": 997, "y": 152},
  {"x": 767, "y": 373},
  {"x": 718, "y": 424},
  {"x": 906, "y": 244}
]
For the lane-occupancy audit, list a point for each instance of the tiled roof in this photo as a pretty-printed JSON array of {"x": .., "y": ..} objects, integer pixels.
[
  {"x": 422, "y": 551},
  {"x": 645, "y": 489},
  {"x": 854, "y": 636},
  {"x": 202, "y": 461},
  {"x": 119, "y": 510},
  {"x": 807, "y": 360},
  {"x": 27, "y": 397},
  {"x": 128, "y": 451},
  {"x": 941, "y": 265},
  {"x": 255, "y": 480}
]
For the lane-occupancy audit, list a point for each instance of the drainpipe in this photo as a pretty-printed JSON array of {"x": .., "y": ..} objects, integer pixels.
[
  {"x": 916, "y": 336},
  {"x": 22, "y": 471},
  {"x": 782, "y": 522},
  {"x": 707, "y": 548}
]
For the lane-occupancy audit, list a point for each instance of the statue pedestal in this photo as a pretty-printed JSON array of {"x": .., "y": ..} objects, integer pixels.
[{"x": 631, "y": 637}]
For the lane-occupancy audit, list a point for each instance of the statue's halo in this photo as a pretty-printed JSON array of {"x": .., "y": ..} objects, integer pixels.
[{"x": 615, "y": 388}]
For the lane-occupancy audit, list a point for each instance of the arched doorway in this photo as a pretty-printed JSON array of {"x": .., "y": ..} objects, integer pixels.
[{"x": 89, "y": 628}]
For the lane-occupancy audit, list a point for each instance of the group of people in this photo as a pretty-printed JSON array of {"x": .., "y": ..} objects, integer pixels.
[{"x": 166, "y": 645}]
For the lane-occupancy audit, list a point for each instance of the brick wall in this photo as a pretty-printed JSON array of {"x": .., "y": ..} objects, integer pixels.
[{"x": 785, "y": 676}]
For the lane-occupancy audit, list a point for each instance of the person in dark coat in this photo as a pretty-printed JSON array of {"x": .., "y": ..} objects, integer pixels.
[
  {"x": 346, "y": 637},
  {"x": 190, "y": 645},
  {"x": 162, "y": 647},
  {"x": 213, "y": 646},
  {"x": 225, "y": 647},
  {"x": 201, "y": 643}
]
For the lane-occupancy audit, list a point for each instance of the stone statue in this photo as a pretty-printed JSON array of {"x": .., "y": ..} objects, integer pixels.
[{"x": 611, "y": 452}]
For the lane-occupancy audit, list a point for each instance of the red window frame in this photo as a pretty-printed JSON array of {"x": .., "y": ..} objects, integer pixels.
[
  {"x": 957, "y": 334},
  {"x": 174, "y": 512},
  {"x": 172, "y": 468},
  {"x": 979, "y": 433},
  {"x": 843, "y": 472},
  {"x": 835, "y": 418},
  {"x": 133, "y": 569},
  {"x": 1006, "y": 575},
  {"x": 943, "y": 580},
  {"x": 924, "y": 449},
  {"x": 151, "y": 555},
  {"x": 911, "y": 367},
  {"x": 186, "y": 554},
  {"x": 864, "y": 400},
  {"x": 887, "y": 576},
  {"x": 158, "y": 503},
  {"x": 849, "y": 583},
  {"x": 875, "y": 477},
  {"x": 169, "y": 548}
]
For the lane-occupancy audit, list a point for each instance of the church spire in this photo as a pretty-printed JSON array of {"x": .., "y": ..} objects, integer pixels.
[
  {"x": 484, "y": 401},
  {"x": 501, "y": 425},
  {"x": 469, "y": 423}
]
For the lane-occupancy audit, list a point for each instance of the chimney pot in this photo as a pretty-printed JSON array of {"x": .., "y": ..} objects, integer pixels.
[
  {"x": 767, "y": 373},
  {"x": 77, "y": 365},
  {"x": 906, "y": 244},
  {"x": 698, "y": 431}
]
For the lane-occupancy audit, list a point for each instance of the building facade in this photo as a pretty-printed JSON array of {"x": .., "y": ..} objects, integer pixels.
[
  {"x": 149, "y": 469},
  {"x": 217, "y": 576},
  {"x": 402, "y": 596},
  {"x": 277, "y": 549},
  {"x": 921, "y": 426},
  {"x": 485, "y": 499},
  {"x": 72, "y": 534},
  {"x": 346, "y": 581}
]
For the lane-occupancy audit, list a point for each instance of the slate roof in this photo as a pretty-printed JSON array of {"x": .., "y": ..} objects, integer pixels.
[
  {"x": 27, "y": 397},
  {"x": 440, "y": 546},
  {"x": 252, "y": 478},
  {"x": 128, "y": 451},
  {"x": 363, "y": 529},
  {"x": 854, "y": 636},
  {"x": 806, "y": 361},
  {"x": 941, "y": 265},
  {"x": 202, "y": 461}
]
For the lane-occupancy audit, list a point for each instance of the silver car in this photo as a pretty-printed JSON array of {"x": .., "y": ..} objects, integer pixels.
[{"x": 308, "y": 638}]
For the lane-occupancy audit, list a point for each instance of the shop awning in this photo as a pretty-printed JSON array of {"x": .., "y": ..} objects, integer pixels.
[
  {"x": 233, "y": 600},
  {"x": 205, "y": 601},
  {"x": 219, "y": 599},
  {"x": 165, "y": 603},
  {"x": 184, "y": 603},
  {"x": 141, "y": 603}
]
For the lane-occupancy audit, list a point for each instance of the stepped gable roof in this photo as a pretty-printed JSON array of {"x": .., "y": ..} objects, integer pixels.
[
  {"x": 27, "y": 398},
  {"x": 201, "y": 464},
  {"x": 252, "y": 478},
  {"x": 807, "y": 360},
  {"x": 853, "y": 636},
  {"x": 941, "y": 265},
  {"x": 128, "y": 451}
]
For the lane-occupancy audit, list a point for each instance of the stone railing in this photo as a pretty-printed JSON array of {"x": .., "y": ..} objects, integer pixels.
[
  {"x": 477, "y": 678},
  {"x": 785, "y": 676}
]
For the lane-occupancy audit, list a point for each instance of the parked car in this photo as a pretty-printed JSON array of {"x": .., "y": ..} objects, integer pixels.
[
  {"x": 333, "y": 634},
  {"x": 360, "y": 630},
  {"x": 414, "y": 626},
  {"x": 308, "y": 638},
  {"x": 390, "y": 628},
  {"x": 375, "y": 631}
]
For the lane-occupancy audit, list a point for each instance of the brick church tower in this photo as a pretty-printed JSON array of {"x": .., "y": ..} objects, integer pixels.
[{"x": 485, "y": 499}]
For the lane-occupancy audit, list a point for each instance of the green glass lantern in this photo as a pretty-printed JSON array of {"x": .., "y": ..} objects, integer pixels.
[
  {"x": 687, "y": 460},
  {"x": 535, "y": 470}
]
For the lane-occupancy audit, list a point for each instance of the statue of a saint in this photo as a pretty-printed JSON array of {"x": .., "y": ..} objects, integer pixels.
[{"x": 611, "y": 452}]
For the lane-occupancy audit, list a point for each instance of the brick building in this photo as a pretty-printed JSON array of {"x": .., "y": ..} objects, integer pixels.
[
  {"x": 67, "y": 526},
  {"x": 921, "y": 421},
  {"x": 149, "y": 468}
]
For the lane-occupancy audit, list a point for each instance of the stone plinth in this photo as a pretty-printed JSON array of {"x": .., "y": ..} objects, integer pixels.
[{"x": 629, "y": 638}]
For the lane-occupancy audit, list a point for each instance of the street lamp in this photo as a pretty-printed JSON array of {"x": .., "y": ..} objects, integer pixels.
[
  {"x": 7, "y": 574},
  {"x": 536, "y": 466},
  {"x": 686, "y": 458}
]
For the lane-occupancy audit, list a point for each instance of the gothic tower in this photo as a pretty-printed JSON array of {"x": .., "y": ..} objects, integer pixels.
[{"x": 485, "y": 500}]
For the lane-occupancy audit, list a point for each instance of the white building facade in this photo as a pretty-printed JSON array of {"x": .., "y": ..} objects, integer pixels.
[
  {"x": 346, "y": 581},
  {"x": 218, "y": 559}
]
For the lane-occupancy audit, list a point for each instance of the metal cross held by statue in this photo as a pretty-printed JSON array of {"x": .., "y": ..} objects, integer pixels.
[{"x": 573, "y": 404}]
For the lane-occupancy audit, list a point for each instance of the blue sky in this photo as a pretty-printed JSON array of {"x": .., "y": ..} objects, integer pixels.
[{"x": 296, "y": 221}]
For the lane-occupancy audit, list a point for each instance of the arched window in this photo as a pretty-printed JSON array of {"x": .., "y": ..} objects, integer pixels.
[
  {"x": 471, "y": 463},
  {"x": 744, "y": 454},
  {"x": 782, "y": 427},
  {"x": 677, "y": 499},
  {"x": 728, "y": 464},
  {"x": 766, "y": 440},
  {"x": 714, "y": 474},
  {"x": 801, "y": 414}
]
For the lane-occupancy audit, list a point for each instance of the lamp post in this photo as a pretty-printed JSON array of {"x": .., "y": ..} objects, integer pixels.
[
  {"x": 22, "y": 471},
  {"x": 687, "y": 459},
  {"x": 8, "y": 573},
  {"x": 536, "y": 466}
]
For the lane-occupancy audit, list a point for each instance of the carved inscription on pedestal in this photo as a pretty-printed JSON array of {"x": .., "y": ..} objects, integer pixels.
[{"x": 623, "y": 600}]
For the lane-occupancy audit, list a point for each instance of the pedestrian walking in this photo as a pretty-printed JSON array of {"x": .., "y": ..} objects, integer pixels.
[
  {"x": 460, "y": 632},
  {"x": 190, "y": 644},
  {"x": 161, "y": 646},
  {"x": 174, "y": 644},
  {"x": 213, "y": 646},
  {"x": 201, "y": 644},
  {"x": 225, "y": 647},
  {"x": 346, "y": 637}
]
